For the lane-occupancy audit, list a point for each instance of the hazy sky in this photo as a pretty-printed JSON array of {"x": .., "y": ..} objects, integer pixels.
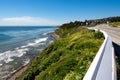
[{"x": 54, "y": 12}]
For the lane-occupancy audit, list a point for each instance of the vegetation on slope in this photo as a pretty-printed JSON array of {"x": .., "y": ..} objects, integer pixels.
[
  {"x": 115, "y": 24},
  {"x": 67, "y": 58},
  {"x": 118, "y": 69}
]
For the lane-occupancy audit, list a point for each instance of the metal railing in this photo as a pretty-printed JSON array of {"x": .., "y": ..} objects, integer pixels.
[{"x": 103, "y": 66}]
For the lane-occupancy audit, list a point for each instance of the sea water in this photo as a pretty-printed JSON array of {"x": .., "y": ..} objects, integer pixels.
[{"x": 19, "y": 45}]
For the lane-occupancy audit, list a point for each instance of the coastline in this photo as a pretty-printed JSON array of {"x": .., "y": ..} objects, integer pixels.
[
  {"x": 55, "y": 36},
  {"x": 18, "y": 73}
]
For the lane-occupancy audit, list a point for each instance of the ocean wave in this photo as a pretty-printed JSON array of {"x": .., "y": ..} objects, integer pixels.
[
  {"x": 1, "y": 64},
  {"x": 37, "y": 41},
  {"x": 41, "y": 40},
  {"x": 47, "y": 32},
  {"x": 26, "y": 61},
  {"x": 25, "y": 33},
  {"x": 19, "y": 51},
  {"x": 8, "y": 55},
  {"x": 21, "y": 48}
]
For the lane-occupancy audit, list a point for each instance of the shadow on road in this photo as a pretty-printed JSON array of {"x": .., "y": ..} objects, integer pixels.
[{"x": 117, "y": 50}]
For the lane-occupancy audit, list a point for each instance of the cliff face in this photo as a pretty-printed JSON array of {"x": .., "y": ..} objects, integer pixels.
[
  {"x": 56, "y": 36},
  {"x": 69, "y": 57}
]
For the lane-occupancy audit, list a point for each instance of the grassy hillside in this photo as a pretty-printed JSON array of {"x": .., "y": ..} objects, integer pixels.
[
  {"x": 115, "y": 24},
  {"x": 67, "y": 58}
]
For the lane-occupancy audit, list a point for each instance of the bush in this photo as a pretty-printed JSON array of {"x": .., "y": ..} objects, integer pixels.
[
  {"x": 98, "y": 35},
  {"x": 68, "y": 57}
]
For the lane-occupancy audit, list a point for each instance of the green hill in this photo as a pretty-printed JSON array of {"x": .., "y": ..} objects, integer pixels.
[
  {"x": 115, "y": 24},
  {"x": 67, "y": 58}
]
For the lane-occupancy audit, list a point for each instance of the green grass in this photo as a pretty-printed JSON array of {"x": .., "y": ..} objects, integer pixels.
[
  {"x": 67, "y": 58},
  {"x": 118, "y": 69},
  {"x": 115, "y": 24}
]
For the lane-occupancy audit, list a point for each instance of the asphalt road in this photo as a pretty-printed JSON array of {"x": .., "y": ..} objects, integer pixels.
[
  {"x": 115, "y": 35},
  {"x": 107, "y": 69},
  {"x": 112, "y": 31}
]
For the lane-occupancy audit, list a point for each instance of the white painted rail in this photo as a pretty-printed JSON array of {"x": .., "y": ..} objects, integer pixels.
[{"x": 103, "y": 66}]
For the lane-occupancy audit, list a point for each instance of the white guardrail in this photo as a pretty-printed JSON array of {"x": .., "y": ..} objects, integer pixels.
[{"x": 103, "y": 66}]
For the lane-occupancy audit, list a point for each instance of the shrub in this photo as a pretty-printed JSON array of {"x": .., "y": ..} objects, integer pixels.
[
  {"x": 68, "y": 57},
  {"x": 98, "y": 35}
]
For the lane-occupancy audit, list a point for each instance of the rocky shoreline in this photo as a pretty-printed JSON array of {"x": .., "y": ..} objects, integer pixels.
[
  {"x": 55, "y": 36},
  {"x": 16, "y": 75}
]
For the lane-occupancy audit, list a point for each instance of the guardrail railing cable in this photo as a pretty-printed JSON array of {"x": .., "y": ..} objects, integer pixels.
[{"x": 92, "y": 72}]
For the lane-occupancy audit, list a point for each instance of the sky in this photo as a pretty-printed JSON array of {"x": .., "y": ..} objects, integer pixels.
[{"x": 54, "y": 12}]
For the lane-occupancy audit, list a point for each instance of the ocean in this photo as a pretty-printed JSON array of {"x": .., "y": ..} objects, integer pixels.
[{"x": 19, "y": 45}]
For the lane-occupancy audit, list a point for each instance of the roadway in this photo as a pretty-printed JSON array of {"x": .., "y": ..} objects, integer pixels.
[
  {"x": 114, "y": 32},
  {"x": 106, "y": 66}
]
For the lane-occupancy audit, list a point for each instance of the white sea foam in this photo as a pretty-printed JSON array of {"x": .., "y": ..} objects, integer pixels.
[
  {"x": 19, "y": 51},
  {"x": 23, "y": 46},
  {"x": 51, "y": 42},
  {"x": 26, "y": 61},
  {"x": 20, "y": 39},
  {"x": 37, "y": 41},
  {"x": 47, "y": 32},
  {"x": 1, "y": 64},
  {"x": 41, "y": 40},
  {"x": 8, "y": 59},
  {"x": 7, "y": 56}
]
